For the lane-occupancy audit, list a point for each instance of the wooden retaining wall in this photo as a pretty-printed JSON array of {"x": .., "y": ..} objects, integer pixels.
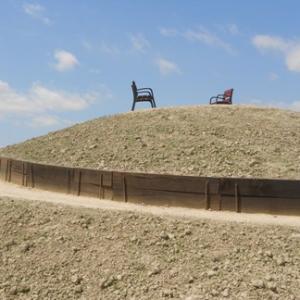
[{"x": 231, "y": 194}]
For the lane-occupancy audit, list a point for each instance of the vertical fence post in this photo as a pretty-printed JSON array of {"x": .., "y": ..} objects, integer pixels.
[
  {"x": 100, "y": 185},
  {"x": 79, "y": 183},
  {"x": 32, "y": 176},
  {"x": 125, "y": 189},
  {"x": 237, "y": 198},
  {"x": 69, "y": 181},
  {"x": 9, "y": 170},
  {"x": 112, "y": 185},
  {"x": 26, "y": 175},
  {"x": 23, "y": 178},
  {"x": 207, "y": 198}
]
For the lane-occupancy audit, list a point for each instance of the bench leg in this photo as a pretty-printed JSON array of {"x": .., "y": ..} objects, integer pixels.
[{"x": 133, "y": 106}]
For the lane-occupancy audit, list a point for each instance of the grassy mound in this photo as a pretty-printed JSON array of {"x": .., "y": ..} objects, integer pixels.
[{"x": 202, "y": 140}]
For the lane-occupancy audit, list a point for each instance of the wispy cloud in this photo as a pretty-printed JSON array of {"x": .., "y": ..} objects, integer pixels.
[
  {"x": 109, "y": 49},
  {"x": 87, "y": 45},
  {"x": 204, "y": 36},
  {"x": 290, "y": 49},
  {"x": 201, "y": 35},
  {"x": 168, "y": 32},
  {"x": 139, "y": 42},
  {"x": 233, "y": 29},
  {"x": 167, "y": 67},
  {"x": 296, "y": 105},
  {"x": 42, "y": 106},
  {"x": 40, "y": 99},
  {"x": 65, "y": 61},
  {"x": 36, "y": 11},
  {"x": 45, "y": 121},
  {"x": 268, "y": 42},
  {"x": 273, "y": 76},
  {"x": 293, "y": 105}
]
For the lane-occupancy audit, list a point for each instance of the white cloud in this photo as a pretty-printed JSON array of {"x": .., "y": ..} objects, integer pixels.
[
  {"x": 40, "y": 105},
  {"x": 139, "y": 42},
  {"x": 168, "y": 32},
  {"x": 267, "y": 42},
  {"x": 167, "y": 67},
  {"x": 44, "y": 121},
  {"x": 296, "y": 105},
  {"x": 109, "y": 49},
  {"x": 40, "y": 99},
  {"x": 293, "y": 105},
  {"x": 293, "y": 59},
  {"x": 87, "y": 45},
  {"x": 36, "y": 11},
  {"x": 273, "y": 76},
  {"x": 233, "y": 29},
  {"x": 66, "y": 61},
  {"x": 204, "y": 36},
  {"x": 46, "y": 99},
  {"x": 289, "y": 48}
]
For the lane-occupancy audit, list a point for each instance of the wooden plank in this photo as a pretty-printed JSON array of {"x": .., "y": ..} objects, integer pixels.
[
  {"x": 235, "y": 194},
  {"x": 277, "y": 206},
  {"x": 171, "y": 183},
  {"x": 165, "y": 198},
  {"x": 260, "y": 187},
  {"x": 50, "y": 178},
  {"x": 89, "y": 183},
  {"x": 3, "y": 168},
  {"x": 237, "y": 198},
  {"x": 16, "y": 172}
]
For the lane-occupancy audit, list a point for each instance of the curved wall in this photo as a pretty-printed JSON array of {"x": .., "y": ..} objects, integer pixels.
[{"x": 231, "y": 194}]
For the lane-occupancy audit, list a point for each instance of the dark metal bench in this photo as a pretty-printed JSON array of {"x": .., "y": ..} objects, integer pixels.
[
  {"x": 225, "y": 98},
  {"x": 142, "y": 95}
]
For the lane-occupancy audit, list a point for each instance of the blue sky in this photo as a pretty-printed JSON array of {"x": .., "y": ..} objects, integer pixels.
[{"x": 65, "y": 61}]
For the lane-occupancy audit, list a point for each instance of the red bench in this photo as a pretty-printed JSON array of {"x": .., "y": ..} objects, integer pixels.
[{"x": 225, "y": 98}]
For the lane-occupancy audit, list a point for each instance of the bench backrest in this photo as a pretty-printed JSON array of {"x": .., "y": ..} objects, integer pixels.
[
  {"x": 228, "y": 95},
  {"x": 134, "y": 89}
]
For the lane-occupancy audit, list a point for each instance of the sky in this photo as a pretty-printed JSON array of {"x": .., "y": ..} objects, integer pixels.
[{"x": 63, "y": 62}]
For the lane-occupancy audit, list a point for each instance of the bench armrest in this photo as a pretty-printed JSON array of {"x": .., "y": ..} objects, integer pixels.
[{"x": 146, "y": 89}]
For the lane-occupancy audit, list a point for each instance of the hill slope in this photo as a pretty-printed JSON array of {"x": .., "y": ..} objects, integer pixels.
[
  {"x": 201, "y": 140},
  {"x": 59, "y": 252}
]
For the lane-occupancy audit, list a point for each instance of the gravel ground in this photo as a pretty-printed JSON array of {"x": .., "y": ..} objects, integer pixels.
[
  {"x": 234, "y": 141},
  {"x": 58, "y": 252}
]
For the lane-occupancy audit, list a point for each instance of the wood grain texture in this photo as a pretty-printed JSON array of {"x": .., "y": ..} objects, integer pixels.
[{"x": 231, "y": 194}]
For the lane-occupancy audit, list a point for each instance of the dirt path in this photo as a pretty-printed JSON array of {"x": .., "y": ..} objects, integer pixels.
[{"x": 18, "y": 192}]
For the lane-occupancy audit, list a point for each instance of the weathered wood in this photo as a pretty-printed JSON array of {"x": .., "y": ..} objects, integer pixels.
[
  {"x": 79, "y": 183},
  {"x": 207, "y": 200},
  {"x": 233, "y": 194},
  {"x": 276, "y": 188},
  {"x": 125, "y": 189},
  {"x": 237, "y": 199}
]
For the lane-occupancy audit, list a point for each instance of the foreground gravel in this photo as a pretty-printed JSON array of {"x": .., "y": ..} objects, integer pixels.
[
  {"x": 231, "y": 141},
  {"x": 57, "y": 252}
]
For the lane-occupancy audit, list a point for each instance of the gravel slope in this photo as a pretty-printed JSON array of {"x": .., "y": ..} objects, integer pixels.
[
  {"x": 58, "y": 252},
  {"x": 202, "y": 140}
]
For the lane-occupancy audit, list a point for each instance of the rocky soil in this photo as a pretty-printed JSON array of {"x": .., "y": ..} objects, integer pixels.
[
  {"x": 202, "y": 140},
  {"x": 59, "y": 252}
]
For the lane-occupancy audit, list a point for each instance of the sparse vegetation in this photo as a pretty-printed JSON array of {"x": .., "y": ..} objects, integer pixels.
[
  {"x": 58, "y": 252},
  {"x": 235, "y": 141}
]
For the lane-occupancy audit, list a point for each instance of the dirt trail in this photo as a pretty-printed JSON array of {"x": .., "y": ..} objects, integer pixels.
[{"x": 17, "y": 192}]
